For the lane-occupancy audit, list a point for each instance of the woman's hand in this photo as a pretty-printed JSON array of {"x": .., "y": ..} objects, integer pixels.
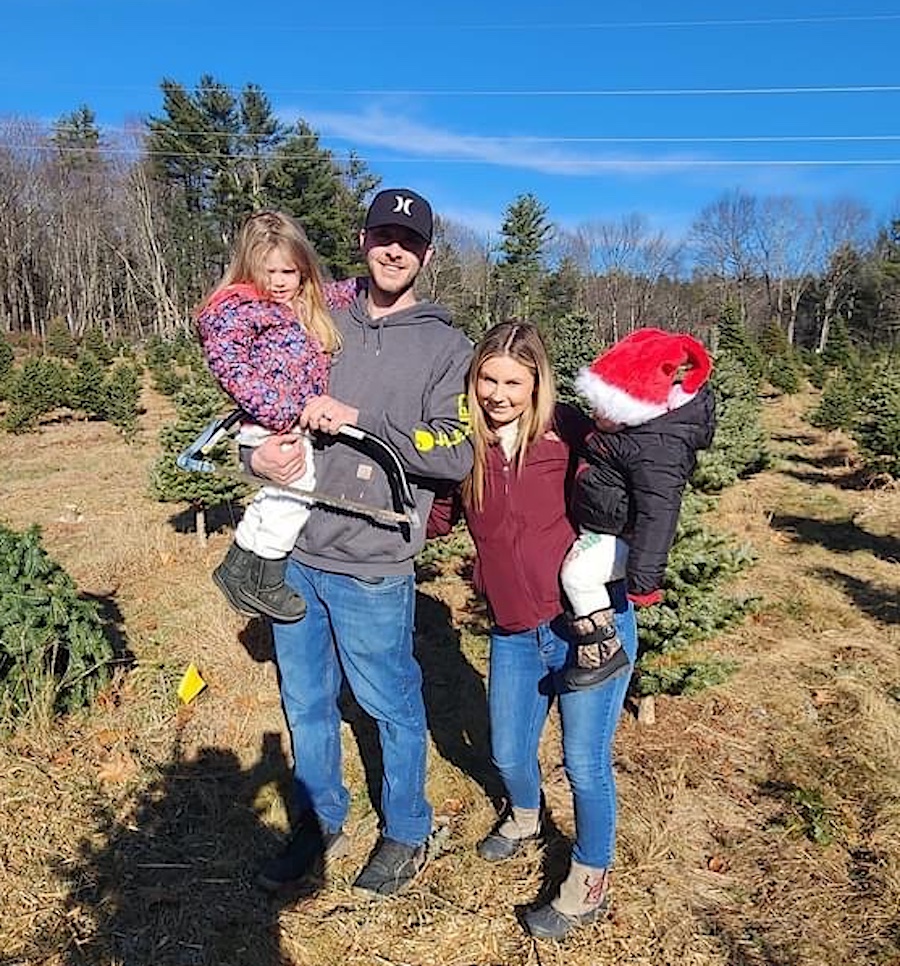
[
  {"x": 280, "y": 458},
  {"x": 327, "y": 414}
]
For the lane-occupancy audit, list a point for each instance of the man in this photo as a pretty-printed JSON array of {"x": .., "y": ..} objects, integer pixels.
[{"x": 400, "y": 374}]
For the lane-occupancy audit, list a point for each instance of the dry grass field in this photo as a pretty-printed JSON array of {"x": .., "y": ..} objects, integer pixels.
[{"x": 759, "y": 820}]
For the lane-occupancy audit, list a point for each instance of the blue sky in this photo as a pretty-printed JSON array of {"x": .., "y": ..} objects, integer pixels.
[{"x": 598, "y": 109}]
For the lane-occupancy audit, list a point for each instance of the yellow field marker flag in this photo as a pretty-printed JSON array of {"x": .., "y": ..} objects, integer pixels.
[{"x": 191, "y": 684}]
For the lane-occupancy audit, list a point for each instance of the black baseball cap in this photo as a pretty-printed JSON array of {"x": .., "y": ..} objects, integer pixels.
[{"x": 400, "y": 206}]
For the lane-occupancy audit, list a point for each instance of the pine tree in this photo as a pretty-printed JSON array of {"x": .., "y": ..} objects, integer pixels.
[
  {"x": 733, "y": 340},
  {"x": 571, "y": 346},
  {"x": 7, "y": 358},
  {"x": 86, "y": 390},
  {"x": 95, "y": 342},
  {"x": 839, "y": 404},
  {"x": 877, "y": 426},
  {"x": 694, "y": 608},
  {"x": 55, "y": 654},
  {"x": 739, "y": 447},
  {"x": 196, "y": 404},
  {"x": 38, "y": 387},
  {"x": 60, "y": 342},
  {"x": 306, "y": 181},
  {"x": 121, "y": 393},
  {"x": 838, "y": 352},
  {"x": 525, "y": 234}
]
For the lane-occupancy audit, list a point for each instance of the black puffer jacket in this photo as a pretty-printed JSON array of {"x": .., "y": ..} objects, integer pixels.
[{"x": 632, "y": 481}]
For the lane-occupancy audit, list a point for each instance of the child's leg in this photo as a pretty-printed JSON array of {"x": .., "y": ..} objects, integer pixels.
[
  {"x": 594, "y": 560},
  {"x": 252, "y": 574}
]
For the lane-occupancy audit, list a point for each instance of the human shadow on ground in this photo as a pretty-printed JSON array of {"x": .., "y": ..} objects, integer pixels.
[
  {"x": 839, "y": 536},
  {"x": 169, "y": 881},
  {"x": 879, "y": 602},
  {"x": 455, "y": 706}
]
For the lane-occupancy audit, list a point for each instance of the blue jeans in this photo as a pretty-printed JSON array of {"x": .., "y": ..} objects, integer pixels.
[
  {"x": 521, "y": 688},
  {"x": 364, "y": 630}
]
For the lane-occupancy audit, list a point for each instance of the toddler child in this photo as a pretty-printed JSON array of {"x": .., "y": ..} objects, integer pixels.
[
  {"x": 653, "y": 410},
  {"x": 267, "y": 336}
]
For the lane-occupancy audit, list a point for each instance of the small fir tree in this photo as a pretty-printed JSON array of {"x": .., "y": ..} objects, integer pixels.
[
  {"x": 694, "y": 608},
  {"x": 839, "y": 404},
  {"x": 739, "y": 447},
  {"x": 55, "y": 653},
  {"x": 37, "y": 388},
  {"x": 838, "y": 352},
  {"x": 196, "y": 404},
  {"x": 95, "y": 342},
  {"x": 60, "y": 342},
  {"x": 782, "y": 368},
  {"x": 572, "y": 345},
  {"x": 877, "y": 426},
  {"x": 7, "y": 357},
  {"x": 86, "y": 391},
  {"x": 733, "y": 340},
  {"x": 121, "y": 395}
]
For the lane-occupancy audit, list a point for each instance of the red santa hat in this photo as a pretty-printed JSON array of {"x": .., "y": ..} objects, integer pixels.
[{"x": 644, "y": 375}]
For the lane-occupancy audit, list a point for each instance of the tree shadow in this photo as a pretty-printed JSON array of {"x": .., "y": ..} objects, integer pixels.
[
  {"x": 850, "y": 478},
  {"x": 840, "y": 536},
  {"x": 455, "y": 697},
  {"x": 803, "y": 438},
  {"x": 219, "y": 518},
  {"x": 113, "y": 623},
  {"x": 170, "y": 882},
  {"x": 745, "y": 943},
  {"x": 880, "y": 603}
]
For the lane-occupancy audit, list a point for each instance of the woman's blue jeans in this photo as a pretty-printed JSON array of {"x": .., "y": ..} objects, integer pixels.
[
  {"x": 521, "y": 688},
  {"x": 365, "y": 630}
]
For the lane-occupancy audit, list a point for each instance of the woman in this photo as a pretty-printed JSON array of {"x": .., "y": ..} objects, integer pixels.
[{"x": 514, "y": 502}]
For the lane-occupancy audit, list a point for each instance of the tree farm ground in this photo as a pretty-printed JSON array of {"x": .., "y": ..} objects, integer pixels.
[{"x": 759, "y": 820}]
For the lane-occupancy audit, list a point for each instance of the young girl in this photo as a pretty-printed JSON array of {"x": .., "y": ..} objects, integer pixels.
[
  {"x": 267, "y": 336},
  {"x": 653, "y": 410},
  {"x": 515, "y": 505}
]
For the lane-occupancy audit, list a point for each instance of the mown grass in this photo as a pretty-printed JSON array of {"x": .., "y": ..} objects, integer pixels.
[{"x": 759, "y": 820}]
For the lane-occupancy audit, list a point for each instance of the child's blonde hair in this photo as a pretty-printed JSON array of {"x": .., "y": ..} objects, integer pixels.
[
  {"x": 261, "y": 234},
  {"x": 521, "y": 342}
]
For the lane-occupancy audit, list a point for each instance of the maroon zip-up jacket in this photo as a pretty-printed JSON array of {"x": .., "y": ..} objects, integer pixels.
[{"x": 523, "y": 530}]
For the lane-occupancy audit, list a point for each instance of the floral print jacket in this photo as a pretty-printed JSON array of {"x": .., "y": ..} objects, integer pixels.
[{"x": 261, "y": 354}]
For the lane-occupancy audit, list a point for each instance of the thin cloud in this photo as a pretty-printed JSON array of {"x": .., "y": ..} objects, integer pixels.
[{"x": 376, "y": 129}]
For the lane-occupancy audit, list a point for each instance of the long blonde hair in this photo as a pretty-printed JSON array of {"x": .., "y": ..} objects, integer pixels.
[
  {"x": 261, "y": 234},
  {"x": 521, "y": 342}
]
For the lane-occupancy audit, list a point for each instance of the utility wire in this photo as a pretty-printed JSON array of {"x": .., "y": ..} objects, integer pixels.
[{"x": 562, "y": 163}]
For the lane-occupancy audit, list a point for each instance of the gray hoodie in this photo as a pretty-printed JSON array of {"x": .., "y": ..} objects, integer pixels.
[{"x": 405, "y": 373}]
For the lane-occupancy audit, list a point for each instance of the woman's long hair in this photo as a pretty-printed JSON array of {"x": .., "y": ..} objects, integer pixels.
[
  {"x": 521, "y": 342},
  {"x": 260, "y": 235}
]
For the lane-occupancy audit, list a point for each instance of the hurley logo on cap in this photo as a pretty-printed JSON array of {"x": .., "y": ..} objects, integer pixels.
[{"x": 400, "y": 206}]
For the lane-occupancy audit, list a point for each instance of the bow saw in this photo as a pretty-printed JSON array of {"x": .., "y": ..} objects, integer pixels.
[{"x": 194, "y": 459}]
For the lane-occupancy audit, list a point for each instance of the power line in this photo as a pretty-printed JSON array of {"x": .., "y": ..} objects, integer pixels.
[
  {"x": 604, "y": 92},
  {"x": 566, "y": 139},
  {"x": 562, "y": 163}
]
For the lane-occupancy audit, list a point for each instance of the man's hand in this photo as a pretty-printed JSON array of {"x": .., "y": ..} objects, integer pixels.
[
  {"x": 280, "y": 458},
  {"x": 327, "y": 414}
]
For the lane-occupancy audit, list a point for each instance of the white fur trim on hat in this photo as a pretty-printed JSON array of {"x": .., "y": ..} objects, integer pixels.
[{"x": 646, "y": 374}]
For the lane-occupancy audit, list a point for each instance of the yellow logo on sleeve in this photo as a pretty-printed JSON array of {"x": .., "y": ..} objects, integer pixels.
[{"x": 425, "y": 440}]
